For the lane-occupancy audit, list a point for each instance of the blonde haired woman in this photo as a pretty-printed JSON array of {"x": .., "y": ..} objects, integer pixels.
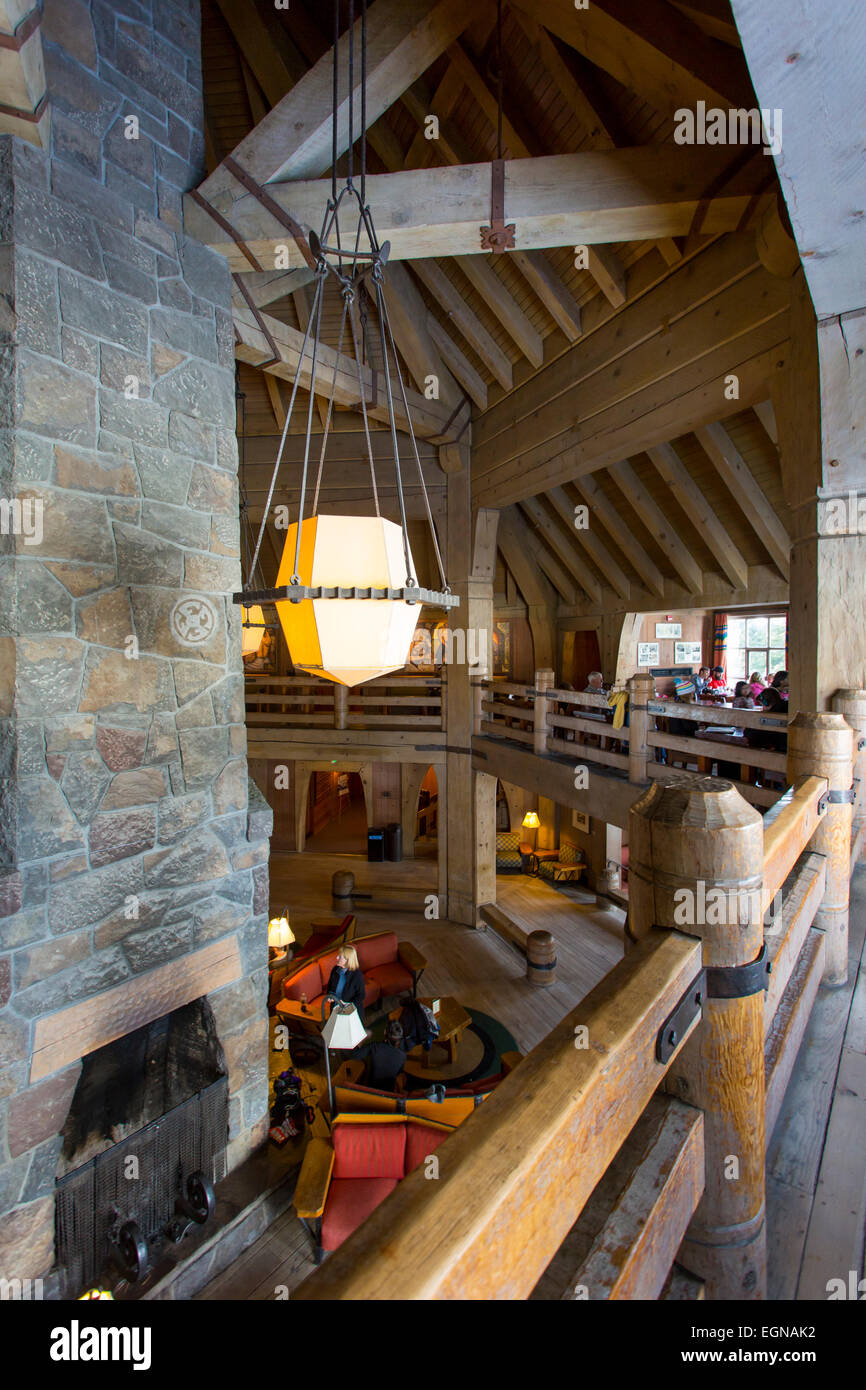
[{"x": 345, "y": 982}]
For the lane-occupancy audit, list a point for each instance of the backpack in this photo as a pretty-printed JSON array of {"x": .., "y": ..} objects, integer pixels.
[{"x": 419, "y": 1025}]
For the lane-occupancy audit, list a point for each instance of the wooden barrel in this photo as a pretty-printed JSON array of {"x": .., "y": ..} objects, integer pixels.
[
  {"x": 540, "y": 959},
  {"x": 342, "y": 888}
]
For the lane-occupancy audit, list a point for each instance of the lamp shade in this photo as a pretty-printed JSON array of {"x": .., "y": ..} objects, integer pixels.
[
  {"x": 280, "y": 933},
  {"x": 349, "y": 640},
  {"x": 253, "y": 629},
  {"x": 531, "y": 821},
  {"x": 343, "y": 1029}
]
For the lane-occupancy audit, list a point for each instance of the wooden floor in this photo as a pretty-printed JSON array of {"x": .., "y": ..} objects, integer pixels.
[
  {"x": 816, "y": 1161},
  {"x": 816, "y": 1173}
]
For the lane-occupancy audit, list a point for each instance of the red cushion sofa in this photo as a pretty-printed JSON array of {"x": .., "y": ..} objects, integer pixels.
[
  {"x": 389, "y": 967},
  {"x": 343, "y": 1180}
]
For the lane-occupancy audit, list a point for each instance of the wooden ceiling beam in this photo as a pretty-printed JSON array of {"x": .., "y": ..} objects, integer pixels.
[
  {"x": 622, "y": 536},
  {"x": 469, "y": 325},
  {"x": 767, "y": 416},
  {"x": 294, "y": 140},
  {"x": 699, "y": 512},
  {"x": 589, "y": 539},
  {"x": 607, "y": 271},
  {"x": 559, "y": 200},
  {"x": 407, "y": 314},
  {"x": 458, "y": 363},
  {"x": 277, "y": 67},
  {"x": 429, "y": 418},
  {"x": 521, "y": 553},
  {"x": 737, "y": 477},
  {"x": 652, "y": 49},
  {"x": 658, "y": 525},
  {"x": 551, "y": 290},
  {"x": 501, "y": 303},
  {"x": 551, "y": 532}
]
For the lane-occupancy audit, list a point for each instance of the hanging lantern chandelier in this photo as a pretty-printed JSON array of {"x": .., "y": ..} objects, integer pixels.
[{"x": 346, "y": 593}]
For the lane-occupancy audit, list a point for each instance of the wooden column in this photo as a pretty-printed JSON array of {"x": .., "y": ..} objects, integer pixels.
[
  {"x": 852, "y": 704},
  {"x": 470, "y": 804},
  {"x": 822, "y": 745},
  {"x": 543, "y": 681},
  {"x": 686, "y": 840},
  {"x": 341, "y": 705},
  {"x": 640, "y": 689}
]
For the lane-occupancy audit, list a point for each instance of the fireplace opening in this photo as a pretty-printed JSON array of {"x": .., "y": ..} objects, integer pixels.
[{"x": 143, "y": 1144}]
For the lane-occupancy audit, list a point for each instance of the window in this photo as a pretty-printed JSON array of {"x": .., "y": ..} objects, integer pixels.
[{"x": 758, "y": 643}]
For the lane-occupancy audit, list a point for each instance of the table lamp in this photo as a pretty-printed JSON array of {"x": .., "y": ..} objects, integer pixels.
[
  {"x": 280, "y": 936},
  {"x": 343, "y": 1029}
]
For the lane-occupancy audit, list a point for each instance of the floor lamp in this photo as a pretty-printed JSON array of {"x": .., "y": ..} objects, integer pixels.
[{"x": 343, "y": 1029}]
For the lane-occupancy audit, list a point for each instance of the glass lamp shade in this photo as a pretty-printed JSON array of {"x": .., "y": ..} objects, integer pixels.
[
  {"x": 280, "y": 933},
  {"x": 531, "y": 821},
  {"x": 252, "y": 636},
  {"x": 343, "y": 1029},
  {"x": 351, "y": 640}
]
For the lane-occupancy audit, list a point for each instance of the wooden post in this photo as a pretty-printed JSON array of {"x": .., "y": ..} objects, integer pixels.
[
  {"x": 696, "y": 853},
  {"x": 852, "y": 703},
  {"x": 479, "y": 693},
  {"x": 640, "y": 689},
  {"x": 544, "y": 680},
  {"x": 822, "y": 745},
  {"x": 341, "y": 706},
  {"x": 541, "y": 959}
]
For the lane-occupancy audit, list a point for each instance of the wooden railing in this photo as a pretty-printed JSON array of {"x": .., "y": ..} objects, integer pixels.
[
  {"x": 514, "y": 1179},
  {"x": 389, "y": 703},
  {"x": 579, "y": 724}
]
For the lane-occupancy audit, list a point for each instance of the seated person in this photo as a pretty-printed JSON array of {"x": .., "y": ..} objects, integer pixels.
[
  {"x": 595, "y": 684},
  {"x": 701, "y": 680},
  {"x": 345, "y": 982},
  {"x": 717, "y": 680},
  {"x": 384, "y": 1061},
  {"x": 780, "y": 683},
  {"x": 743, "y": 696},
  {"x": 755, "y": 684}
]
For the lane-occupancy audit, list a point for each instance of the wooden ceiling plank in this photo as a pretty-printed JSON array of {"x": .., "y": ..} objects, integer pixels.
[
  {"x": 454, "y": 306},
  {"x": 736, "y": 475},
  {"x": 440, "y": 104},
  {"x": 301, "y": 301},
  {"x": 581, "y": 199},
  {"x": 503, "y": 305},
  {"x": 276, "y": 69},
  {"x": 276, "y": 399},
  {"x": 591, "y": 542},
  {"x": 658, "y": 525},
  {"x": 767, "y": 416},
  {"x": 294, "y": 140},
  {"x": 521, "y": 551},
  {"x": 673, "y": 472},
  {"x": 604, "y": 510},
  {"x": 566, "y": 551},
  {"x": 652, "y": 49}
]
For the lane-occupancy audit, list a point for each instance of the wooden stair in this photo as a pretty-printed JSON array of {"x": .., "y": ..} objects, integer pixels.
[
  {"x": 624, "y": 1242},
  {"x": 504, "y": 926}
]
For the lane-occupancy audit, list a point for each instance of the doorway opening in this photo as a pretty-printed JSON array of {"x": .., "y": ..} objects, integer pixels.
[
  {"x": 427, "y": 817},
  {"x": 336, "y": 813}
]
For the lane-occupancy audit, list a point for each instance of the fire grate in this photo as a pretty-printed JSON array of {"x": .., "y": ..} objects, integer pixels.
[{"x": 138, "y": 1180}]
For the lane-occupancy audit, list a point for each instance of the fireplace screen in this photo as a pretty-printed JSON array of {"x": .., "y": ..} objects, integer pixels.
[{"x": 129, "y": 1195}]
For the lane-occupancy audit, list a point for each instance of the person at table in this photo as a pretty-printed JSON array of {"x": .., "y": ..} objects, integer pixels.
[
  {"x": 345, "y": 982},
  {"x": 700, "y": 680},
  {"x": 743, "y": 696},
  {"x": 717, "y": 679},
  {"x": 756, "y": 684},
  {"x": 384, "y": 1061},
  {"x": 595, "y": 684},
  {"x": 773, "y": 741},
  {"x": 780, "y": 683}
]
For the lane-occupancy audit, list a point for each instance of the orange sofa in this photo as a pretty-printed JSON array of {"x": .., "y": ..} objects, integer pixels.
[
  {"x": 389, "y": 967},
  {"x": 343, "y": 1179}
]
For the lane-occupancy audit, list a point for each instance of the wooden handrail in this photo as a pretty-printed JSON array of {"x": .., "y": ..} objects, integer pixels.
[
  {"x": 788, "y": 828},
  {"x": 517, "y": 1173},
  {"x": 719, "y": 714}
]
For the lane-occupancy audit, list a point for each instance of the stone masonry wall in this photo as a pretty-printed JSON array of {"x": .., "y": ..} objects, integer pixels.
[{"x": 128, "y": 835}]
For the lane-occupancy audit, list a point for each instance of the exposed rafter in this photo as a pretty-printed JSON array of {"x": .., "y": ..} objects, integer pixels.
[
  {"x": 659, "y": 526},
  {"x": 702, "y": 516},
  {"x": 737, "y": 477}
]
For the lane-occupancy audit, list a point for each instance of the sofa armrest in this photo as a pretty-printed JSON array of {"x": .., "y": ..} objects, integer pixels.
[
  {"x": 314, "y": 1179},
  {"x": 348, "y": 1073},
  {"x": 411, "y": 957},
  {"x": 509, "y": 1061}
]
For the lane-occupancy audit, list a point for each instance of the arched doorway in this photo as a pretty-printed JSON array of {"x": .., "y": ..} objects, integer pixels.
[
  {"x": 336, "y": 813},
  {"x": 427, "y": 817}
]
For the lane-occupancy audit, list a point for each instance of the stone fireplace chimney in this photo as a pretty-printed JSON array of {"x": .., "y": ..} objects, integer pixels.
[{"x": 133, "y": 849}]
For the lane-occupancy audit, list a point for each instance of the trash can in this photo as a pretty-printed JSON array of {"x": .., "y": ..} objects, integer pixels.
[
  {"x": 375, "y": 844},
  {"x": 394, "y": 841}
]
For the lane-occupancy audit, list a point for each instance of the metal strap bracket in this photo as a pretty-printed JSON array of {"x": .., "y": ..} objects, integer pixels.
[
  {"x": 739, "y": 981},
  {"x": 498, "y": 236},
  {"x": 677, "y": 1023}
]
